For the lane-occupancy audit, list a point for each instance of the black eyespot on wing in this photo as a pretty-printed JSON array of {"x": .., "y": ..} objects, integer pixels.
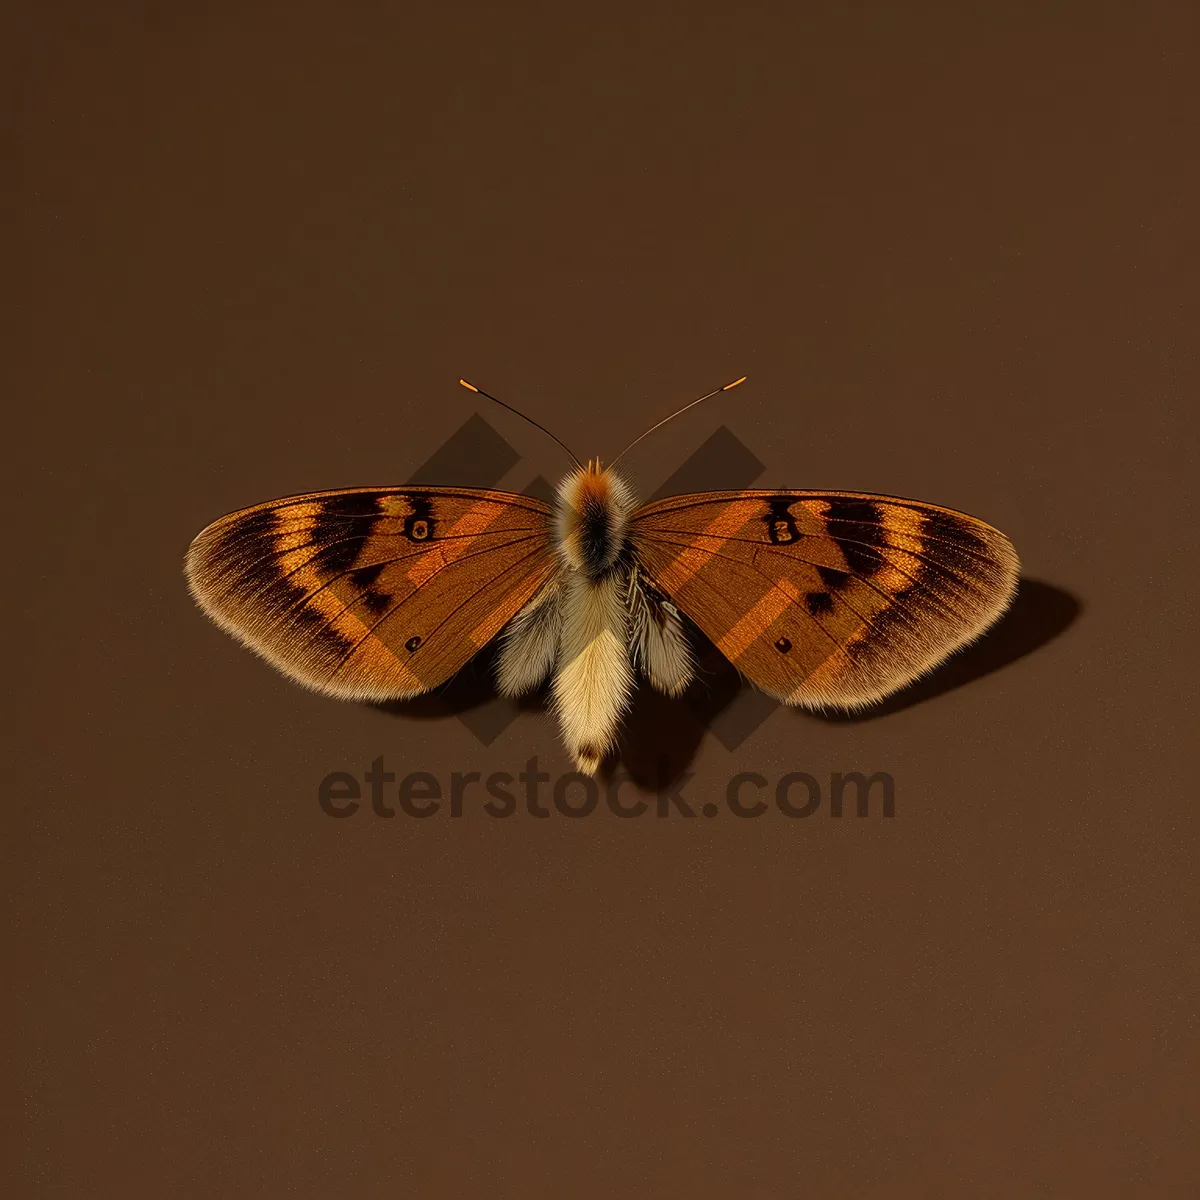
[
  {"x": 857, "y": 527},
  {"x": 419, "y": 524},
  {"x": 783, "y": 645},
  {"x": 412, "y": 643},
  {"x": 781, "y": 525}
]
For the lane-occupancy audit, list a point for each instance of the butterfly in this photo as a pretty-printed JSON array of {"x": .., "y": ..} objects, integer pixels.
[{"x": 824, "y": 600}]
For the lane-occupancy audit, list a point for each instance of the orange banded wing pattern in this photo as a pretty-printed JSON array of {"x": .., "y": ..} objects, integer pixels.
[
  {"x": 831, "y": 599},
  {"x": 372, "y": 593}
]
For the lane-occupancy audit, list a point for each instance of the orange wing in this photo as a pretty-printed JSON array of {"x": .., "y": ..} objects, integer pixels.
[
  {"x": 372, "y": 593},
  {"x": 827, "y": 599}
]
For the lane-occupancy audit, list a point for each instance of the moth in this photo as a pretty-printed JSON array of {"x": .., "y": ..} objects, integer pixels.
[{"x": 825, "y": 600}]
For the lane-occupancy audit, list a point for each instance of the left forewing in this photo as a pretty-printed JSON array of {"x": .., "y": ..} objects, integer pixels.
[{"x": 372, "y": 593}]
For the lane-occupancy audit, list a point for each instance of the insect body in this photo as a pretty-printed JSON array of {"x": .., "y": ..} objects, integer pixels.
[{"x": 821, "y": 599}]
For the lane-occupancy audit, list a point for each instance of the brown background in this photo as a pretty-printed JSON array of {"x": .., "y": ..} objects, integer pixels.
[{"x": 954, "y": 249}]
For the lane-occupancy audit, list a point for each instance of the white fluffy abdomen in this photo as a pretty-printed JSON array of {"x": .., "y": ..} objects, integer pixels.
[{"x": 593, "y": 681}]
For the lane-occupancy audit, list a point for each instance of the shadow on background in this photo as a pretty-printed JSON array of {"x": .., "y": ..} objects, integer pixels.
[
  {"x": 660, "y": 735},
  {"x": 1039, "y": 613}
]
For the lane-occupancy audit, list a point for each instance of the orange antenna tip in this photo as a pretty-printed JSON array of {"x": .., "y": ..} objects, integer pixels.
[
  {"x": 676, "y": 413},
  {"x": 472, "y": 388}
]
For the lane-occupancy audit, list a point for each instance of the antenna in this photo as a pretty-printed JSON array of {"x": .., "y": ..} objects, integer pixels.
[
  {"x": 708, "y": 396},
  {"x": 472, "y": 388}
]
